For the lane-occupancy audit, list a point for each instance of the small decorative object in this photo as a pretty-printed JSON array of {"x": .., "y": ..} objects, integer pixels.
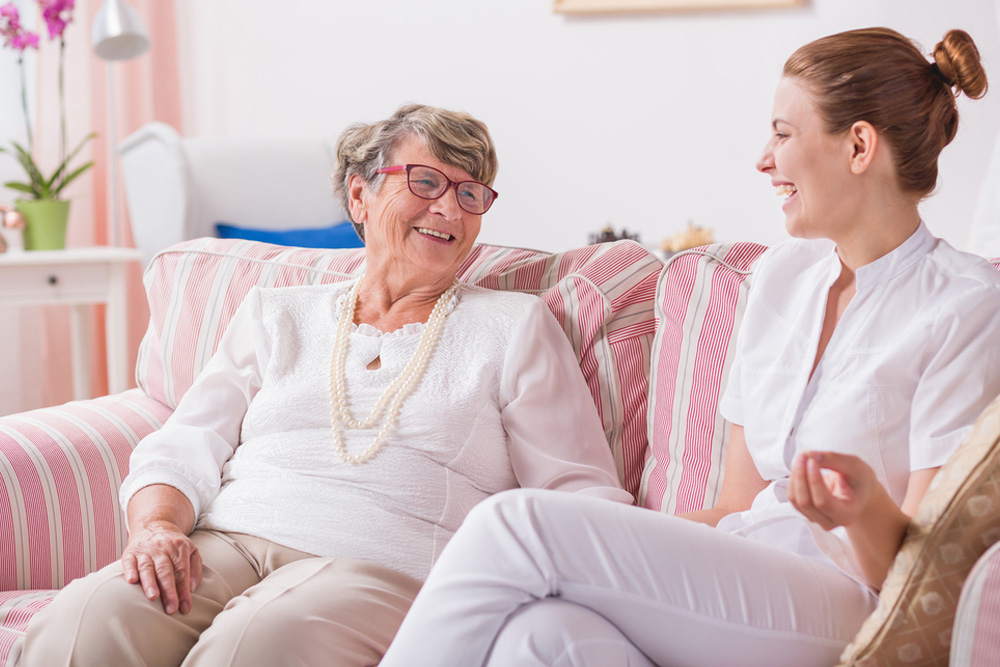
[
  {"x": 691, "y": 237},
  {"x": 608, "y": 234},
  {"x": 11, "y": 229},
  {"x": 45, "y": 213}
]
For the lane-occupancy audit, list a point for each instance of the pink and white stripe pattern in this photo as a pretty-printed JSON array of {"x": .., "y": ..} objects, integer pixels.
[
  {"x": 16, "y": 609},
  {"x": 59, "y": 516},
  {"x": 975, "y": 641},
  {"x": 700, "y": 301}
]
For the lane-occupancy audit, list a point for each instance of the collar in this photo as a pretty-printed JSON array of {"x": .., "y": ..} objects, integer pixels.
[{"x": 897, "y": 260}]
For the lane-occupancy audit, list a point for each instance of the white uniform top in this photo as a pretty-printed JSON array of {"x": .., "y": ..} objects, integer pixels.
[
  {"x": 502, "y": 403},
  {"x": 913, "y": 361}
]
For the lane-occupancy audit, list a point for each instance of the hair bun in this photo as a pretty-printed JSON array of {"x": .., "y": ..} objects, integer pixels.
[{"x": 956, "y": 60}]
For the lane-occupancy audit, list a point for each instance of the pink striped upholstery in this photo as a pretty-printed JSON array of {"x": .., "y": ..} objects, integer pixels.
[
  {"x": 976, "y": 637},
  {"x": 16, "y": 609},
  {"x": 602, "y": 296},
  {"x": 59, "y": 516},
  {"x": 700, "y": 300}
]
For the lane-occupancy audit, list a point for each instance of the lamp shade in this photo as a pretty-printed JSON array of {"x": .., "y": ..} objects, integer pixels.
[{"x": 118, "y": 32}]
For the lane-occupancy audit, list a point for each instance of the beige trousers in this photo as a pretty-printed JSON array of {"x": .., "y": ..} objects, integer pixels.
[{"x": 258, "y": 604}]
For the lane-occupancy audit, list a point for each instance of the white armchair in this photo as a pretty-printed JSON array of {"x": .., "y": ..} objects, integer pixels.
[{"x": 179, "y": 188}]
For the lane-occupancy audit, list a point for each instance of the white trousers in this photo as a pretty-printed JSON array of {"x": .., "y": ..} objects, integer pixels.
[{"x": 548, "y": 578}]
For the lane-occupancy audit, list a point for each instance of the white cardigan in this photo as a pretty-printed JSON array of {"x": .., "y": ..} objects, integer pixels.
[{"x": 502, "y": 404}]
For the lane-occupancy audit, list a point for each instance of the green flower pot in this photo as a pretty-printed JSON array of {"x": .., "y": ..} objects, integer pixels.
[{"x": 44, "y": 223}]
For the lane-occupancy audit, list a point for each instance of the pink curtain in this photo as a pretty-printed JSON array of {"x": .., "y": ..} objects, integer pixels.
[{"x": 147, "y": 89}]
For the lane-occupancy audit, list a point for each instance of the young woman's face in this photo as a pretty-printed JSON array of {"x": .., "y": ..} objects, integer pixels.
[{"x": 809, "y": 168}]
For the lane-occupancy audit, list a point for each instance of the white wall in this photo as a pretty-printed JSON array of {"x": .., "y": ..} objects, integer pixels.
[
  {"x": 646, "y": 121},
  {"x": 15, "y": 348}
]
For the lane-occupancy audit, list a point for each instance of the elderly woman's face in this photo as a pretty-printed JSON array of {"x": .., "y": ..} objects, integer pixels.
[{"x": 418, "y": 235}]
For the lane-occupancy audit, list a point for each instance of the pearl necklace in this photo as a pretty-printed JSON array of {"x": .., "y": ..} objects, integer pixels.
[{"x": 395, "y": 393}]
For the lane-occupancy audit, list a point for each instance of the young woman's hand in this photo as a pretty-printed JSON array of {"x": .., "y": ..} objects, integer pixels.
[{"x": 832, "y": 489}]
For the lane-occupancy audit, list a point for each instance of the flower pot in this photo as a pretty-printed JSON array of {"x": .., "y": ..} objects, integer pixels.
[{"x": 44, "y": 223}]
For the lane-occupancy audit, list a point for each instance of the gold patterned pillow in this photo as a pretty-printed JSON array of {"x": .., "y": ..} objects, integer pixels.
[{"x": 958, "y": 520}]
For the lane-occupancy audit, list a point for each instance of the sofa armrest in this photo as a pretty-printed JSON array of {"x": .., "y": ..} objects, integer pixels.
[
  {"x": 975, "y": 639},
  {"x": 60, "y": 468}
]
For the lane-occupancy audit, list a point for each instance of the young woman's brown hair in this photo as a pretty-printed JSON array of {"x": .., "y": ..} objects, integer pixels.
[{"x": 879, "y": 76}]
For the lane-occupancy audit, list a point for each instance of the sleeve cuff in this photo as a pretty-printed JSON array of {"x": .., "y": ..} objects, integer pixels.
[
  {"x": 936, "y": 452},
  {"x": 166, "y": 475},
  {"x": 731, "y": 410}
]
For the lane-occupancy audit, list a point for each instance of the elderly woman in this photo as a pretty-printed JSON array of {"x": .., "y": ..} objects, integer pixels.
[{"x": 290, "y": 508}]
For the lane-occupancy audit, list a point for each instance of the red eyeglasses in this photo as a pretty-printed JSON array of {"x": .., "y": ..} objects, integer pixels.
[{"x": 429, "y": 183}]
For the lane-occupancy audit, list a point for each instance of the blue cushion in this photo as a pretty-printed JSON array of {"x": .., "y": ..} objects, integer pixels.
[{"x": 341, "y": 235}]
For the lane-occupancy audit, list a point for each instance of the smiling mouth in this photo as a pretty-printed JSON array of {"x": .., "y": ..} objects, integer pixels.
[
  {"x": 785, "y": 191},
  {"x": 436, "y": 234}
]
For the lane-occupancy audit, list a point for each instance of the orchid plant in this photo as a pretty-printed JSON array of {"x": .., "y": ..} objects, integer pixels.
[{"x": 58, "y": 14}]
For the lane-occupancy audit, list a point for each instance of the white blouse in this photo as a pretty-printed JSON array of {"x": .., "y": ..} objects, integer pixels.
[
  {"x": 502, "y": 404},
  {"x": 913, "y": 361}
]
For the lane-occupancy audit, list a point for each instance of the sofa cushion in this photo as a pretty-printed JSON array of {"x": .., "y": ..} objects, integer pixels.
[
  {"x": 700, "y": 299},
  {"x": 602, "y": 296},
  {"x": 16, "y": 609},
  {"x": 955, "y": 523}
]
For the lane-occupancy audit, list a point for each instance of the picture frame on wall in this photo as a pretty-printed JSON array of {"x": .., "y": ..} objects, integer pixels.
[{"x": 608, "y": 6}]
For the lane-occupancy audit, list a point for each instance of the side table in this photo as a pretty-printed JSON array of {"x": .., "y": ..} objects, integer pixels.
[{"x": 77, "y": 277}]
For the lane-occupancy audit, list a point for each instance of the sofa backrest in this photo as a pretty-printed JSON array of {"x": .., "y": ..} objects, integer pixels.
[{"x": 602, "y": 296}]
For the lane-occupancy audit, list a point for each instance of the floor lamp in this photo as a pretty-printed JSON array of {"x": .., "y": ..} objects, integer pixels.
[{"x": 118, "y": 34}]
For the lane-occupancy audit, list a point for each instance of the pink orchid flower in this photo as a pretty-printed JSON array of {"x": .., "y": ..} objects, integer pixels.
[
  {"x": 24, "y": 40},
  {"x": 53, "y": 12},
  {"x": 15, "y": 36}
]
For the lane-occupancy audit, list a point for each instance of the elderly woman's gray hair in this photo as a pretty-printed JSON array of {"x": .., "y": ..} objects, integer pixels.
[{"x": 454, "y": 137}]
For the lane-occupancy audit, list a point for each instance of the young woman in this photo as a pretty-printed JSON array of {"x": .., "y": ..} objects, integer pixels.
[{"x": 867, "y": 350}]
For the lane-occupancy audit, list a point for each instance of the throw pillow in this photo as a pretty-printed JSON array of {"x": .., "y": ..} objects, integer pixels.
[
  {"x": 700, "y": 299},
  {"x": 957, "y": 521},
  {"x": 341, "y": 235}
]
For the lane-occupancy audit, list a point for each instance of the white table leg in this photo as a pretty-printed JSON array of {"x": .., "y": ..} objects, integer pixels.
[
  {"x": 116, "y": 331},
  {"x": 80, "y": 349}
]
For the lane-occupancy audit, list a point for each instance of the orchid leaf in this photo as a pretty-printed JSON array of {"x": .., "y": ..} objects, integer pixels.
[
  {"x": 65, "y": 163},
  {"x": 72, "y": 177},
  {"x": 24, "y": 157},
  {"x": 20, "y": 187}
]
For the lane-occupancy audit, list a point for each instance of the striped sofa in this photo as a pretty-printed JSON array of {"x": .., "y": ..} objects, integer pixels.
[{"x": 654, "y": 343}]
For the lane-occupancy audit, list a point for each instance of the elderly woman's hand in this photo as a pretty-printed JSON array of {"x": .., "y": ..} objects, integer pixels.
[
  {"x": 165, "y": 562},
  {"x": 160, "y": 556}
]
